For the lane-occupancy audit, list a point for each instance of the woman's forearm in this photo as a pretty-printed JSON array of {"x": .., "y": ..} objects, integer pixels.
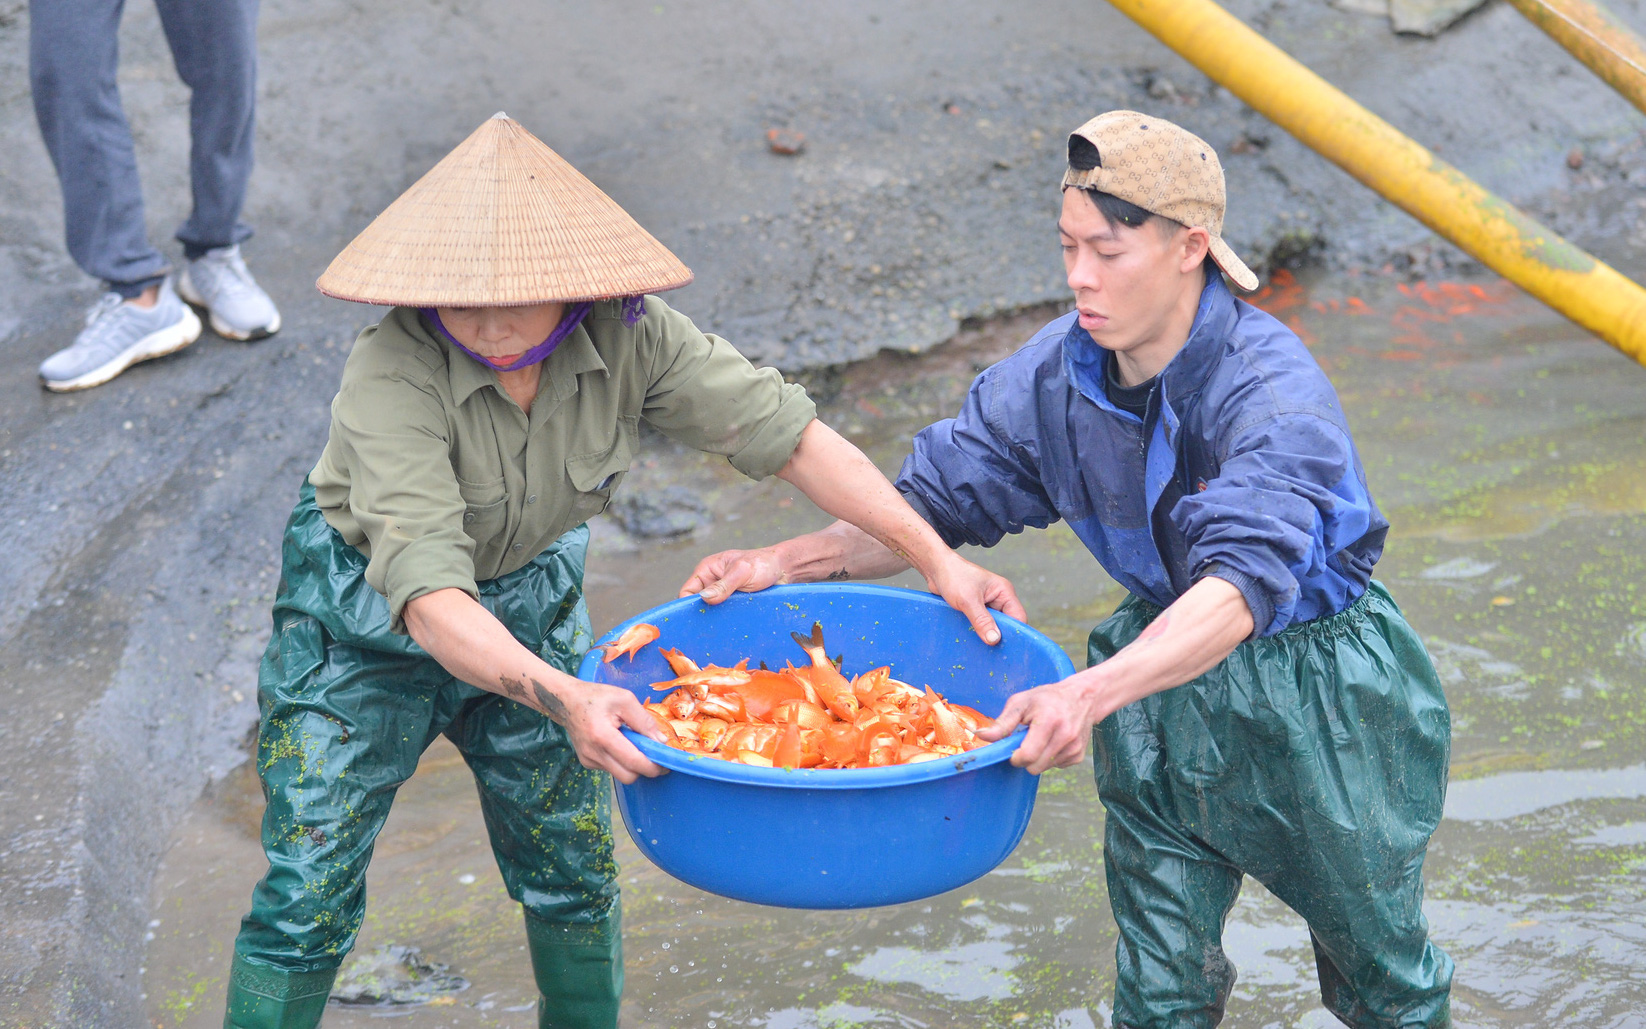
[
  {"x": 838, "y": 478},
  {"x": 475, "y": 647},
  {"x": 878, "y": 534}
]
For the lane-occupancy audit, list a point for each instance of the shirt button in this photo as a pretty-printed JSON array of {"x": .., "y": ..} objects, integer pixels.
[
  {"x": 532, "y": 499},
  {"x": 519, "y": 546},
  {"x": 468, "y": 516}
]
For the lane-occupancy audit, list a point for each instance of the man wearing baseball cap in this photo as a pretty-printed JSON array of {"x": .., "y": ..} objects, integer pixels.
[{"x": 1260, "y": 705}]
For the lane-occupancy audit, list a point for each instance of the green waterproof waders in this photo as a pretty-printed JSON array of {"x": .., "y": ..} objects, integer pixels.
[
  {"x": 579, "y": 970},
  {"x": 1314, "y": 761},
  {"x": 348, "y": 707}
]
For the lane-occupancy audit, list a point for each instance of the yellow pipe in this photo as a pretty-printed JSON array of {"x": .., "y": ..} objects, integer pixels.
[
  {"x": 1531, "y": 256},
  {"x": 1594, "y": 36}
]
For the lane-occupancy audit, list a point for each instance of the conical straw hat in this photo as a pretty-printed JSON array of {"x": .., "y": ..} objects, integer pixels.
[{"x": 501, "y": 220}]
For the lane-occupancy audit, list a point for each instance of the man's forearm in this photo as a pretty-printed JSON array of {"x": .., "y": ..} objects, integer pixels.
[
  {"x": 1194, "y": 634},
  {"x": 842, "y": 551}
]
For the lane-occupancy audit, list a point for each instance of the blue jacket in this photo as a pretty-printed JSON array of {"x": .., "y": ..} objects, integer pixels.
[{"x": 1243, "y": 468}]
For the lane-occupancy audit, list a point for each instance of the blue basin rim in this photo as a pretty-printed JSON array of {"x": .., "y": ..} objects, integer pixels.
[
  {"x": 824, "y": 778},
  {"x": 810, "y": 778}
]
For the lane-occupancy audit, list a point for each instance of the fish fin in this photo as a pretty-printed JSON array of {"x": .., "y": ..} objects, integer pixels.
[{"x": 815, "y": 643}]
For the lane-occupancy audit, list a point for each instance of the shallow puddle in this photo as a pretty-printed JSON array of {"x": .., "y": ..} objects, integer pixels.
[{"x": 1509, "y": 450}]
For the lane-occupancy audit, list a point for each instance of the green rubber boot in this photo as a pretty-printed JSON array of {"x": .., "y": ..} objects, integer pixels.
[
  {"x": 262, "y": 997},
  {"x": 579, "y": 972}
]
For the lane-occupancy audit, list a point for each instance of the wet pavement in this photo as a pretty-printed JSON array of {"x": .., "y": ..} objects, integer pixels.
[{"x": 1509, "y": 451}]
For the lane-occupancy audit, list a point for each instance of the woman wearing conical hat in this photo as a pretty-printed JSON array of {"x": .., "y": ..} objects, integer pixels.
[{"x": 432, "y": 569}]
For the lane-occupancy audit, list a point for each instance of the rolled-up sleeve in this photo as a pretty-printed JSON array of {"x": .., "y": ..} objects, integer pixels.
[
  {"x": 971, "y": 479},
  {"x": 1288, "y": 496},
  {"x": 402, "y": 492},
  {"x": 708, "y": 396}
]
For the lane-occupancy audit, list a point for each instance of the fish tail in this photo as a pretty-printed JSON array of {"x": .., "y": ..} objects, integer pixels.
[{"x": 814, "y": 644}]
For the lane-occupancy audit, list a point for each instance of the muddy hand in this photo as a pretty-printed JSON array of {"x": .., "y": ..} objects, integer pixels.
[
  {"x": 1060, "y": 726},
  {"x": 718, "y": 576},
  {"x": 973, "y": 591},
  {"x": 594, "y": 718}
]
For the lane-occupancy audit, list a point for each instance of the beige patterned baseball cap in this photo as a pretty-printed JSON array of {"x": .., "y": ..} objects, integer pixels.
[{"x": 1163, "y": 168}]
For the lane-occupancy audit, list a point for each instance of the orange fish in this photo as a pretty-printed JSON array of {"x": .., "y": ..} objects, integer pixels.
[
  {"x": 706, "y": 678},
  {"x": 809, "y": 716},
  {"x": 633, "y": 638},
  {"x": 832, "y": 688},
  {"x": 802, "y": 713},
  {"x": 661, "y": 717},
  {"x": 726, "y": 705},
  {"x": 869, "y": 686},
  {"x": 789, "y": 752},
  {"x": 881, "y": 749},
  {"x": 711, "y": 731},
  {"x": 971, "y": 717},
  {"x": 680, "y": 704},
  {"x": 946, "y": 727},
  {"x": 681, "y": 664},
  {"x": 761, "y": 739},
  {"x": 912, "y": 753},
  {"x": 765, "y": 690},
  {"x": 840, "y": 744}
]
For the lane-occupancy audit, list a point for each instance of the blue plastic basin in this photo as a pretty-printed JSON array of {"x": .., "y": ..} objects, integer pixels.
[{"x": 834, "y": 838}]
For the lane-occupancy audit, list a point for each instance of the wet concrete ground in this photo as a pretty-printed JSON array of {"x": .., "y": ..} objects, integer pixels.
[{"x": 1509, "y": 451}]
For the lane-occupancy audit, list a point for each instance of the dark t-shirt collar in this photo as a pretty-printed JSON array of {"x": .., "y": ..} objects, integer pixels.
[{"x": 1131, "y": 399}]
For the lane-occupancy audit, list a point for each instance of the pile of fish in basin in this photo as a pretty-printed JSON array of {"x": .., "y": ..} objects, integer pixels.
[{"x": 915, "y": 805}]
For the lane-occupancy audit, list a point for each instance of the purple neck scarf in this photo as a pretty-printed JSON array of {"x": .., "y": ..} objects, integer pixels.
[{"x": 570, "y": 320}]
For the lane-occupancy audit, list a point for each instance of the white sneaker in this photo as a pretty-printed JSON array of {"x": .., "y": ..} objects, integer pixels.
[
  {"x": 118, "y": 334},
  {"x": 219, "y": 283}
]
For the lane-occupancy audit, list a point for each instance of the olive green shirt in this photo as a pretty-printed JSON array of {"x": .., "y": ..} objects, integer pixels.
[{"x": 437, "y": 476}]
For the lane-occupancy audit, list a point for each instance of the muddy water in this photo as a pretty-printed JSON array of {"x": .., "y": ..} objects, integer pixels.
[{"x": 1508, "y": 449}]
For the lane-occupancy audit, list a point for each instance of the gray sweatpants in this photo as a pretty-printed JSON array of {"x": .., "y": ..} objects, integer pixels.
[{"x": 73, "y": 52}]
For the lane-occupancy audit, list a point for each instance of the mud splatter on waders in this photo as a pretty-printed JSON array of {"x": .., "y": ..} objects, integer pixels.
[
  {"x": 348, "y": 707},
  {"x": 436, "y": 478}
]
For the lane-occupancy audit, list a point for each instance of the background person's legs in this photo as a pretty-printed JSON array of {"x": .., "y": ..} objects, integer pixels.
[
  {"x": 214, "y": 46},
  {"x": 73, "y": 54}
]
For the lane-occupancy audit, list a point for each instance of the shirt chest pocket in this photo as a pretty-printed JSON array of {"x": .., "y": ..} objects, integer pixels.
[
  {"x": 594, "y": 476},
  {"x": 485, "y": 517}
]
